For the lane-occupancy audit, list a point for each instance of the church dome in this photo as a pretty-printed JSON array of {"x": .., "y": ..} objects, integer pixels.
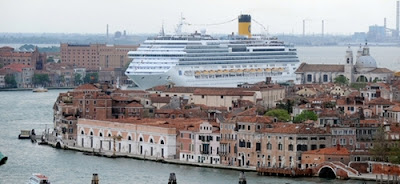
[{"x": 365, "y": 63}]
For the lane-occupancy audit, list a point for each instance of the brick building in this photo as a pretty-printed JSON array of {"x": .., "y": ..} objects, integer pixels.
[
  {"x": 96, "y": 56},
  {"x": 32, "y": 59}
]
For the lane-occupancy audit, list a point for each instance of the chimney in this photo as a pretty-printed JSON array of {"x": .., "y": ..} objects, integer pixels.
[
  {"x": 384, "y": 23},
  {"x": 338, "y": 146},
  {"x": 323, "y": 26}
]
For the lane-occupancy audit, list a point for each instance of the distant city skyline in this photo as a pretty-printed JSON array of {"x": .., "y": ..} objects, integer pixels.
[{"x": 136, "y": 17}]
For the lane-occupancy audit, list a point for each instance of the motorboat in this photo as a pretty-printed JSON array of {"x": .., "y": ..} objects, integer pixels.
[
  {"x": 40, "y": 89},
  {"x": 38, "y": 178},
  {"x": 25, "y": 134}
]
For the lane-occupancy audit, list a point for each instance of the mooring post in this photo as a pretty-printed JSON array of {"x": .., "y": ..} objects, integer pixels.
[
  {"x": 95, "y": 178},
  {"x": 242, "y": 178},
  {"x": 172, "y": 178}
]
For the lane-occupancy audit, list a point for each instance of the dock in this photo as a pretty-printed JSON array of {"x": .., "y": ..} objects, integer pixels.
[{"x": 292, "y": 172}]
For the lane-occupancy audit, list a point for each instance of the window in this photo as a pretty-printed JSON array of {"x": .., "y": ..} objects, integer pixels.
[
  {"x": 325, "y": 78},
  {"x": 279, "y": 146},
  {"x": 290, "y": 147},
  {"x": 222, "y": 96},
  {"x": 309, "y": 78},
  {"x": 202, "y": 96},
  {"x": 248, "y": 144},
  {"x": 269, "y": 146},
  {"x": 258, "y": 146}
]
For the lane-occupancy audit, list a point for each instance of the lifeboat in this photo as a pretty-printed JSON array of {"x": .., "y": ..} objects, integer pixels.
[
  {"x": 197, "y": 73},
  {"x": 281, "y": 69},
  {"x": 259, "y": 70},
  {"x": 211, "y": 72},
  {"x": 204, "y": 72},
  {"x": 253, "y": 70},
  {"x": 225, "y": 71},
  {"x": 268, "y": 69},
  {"x": 219, "y": 72},
  {"x": 246, "y": 70}
]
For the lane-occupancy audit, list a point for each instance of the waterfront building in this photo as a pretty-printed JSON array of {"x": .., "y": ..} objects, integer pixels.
[
  {"x": 60, "y": 74},
  {"x": 22, "y": 74},
  {"x": 313, "y": 158},
  {"x": 147, "y": 137},
  {"x": 32, "y": 59},
  {"x": 95, "y": 56},
  {"x": 364, "y": 70},
  {"x": 200, "y": 143},
  {"x": 2, "y": 79}
]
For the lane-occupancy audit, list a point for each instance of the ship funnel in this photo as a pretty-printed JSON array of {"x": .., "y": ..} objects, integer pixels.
[{"x": 245, "y": 25}]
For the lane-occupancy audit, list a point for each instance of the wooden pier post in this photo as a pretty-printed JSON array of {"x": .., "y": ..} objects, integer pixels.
[
  {"x": 95, "y": 178},
  {"x": 242, "y": 178},
  {"x": 172, "y": 178}
]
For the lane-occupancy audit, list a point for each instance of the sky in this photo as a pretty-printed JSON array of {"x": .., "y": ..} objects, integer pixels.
[{"x": 148, "y": 16}]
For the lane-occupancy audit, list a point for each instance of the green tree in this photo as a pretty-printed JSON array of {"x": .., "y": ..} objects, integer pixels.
[
  {"x": 10, "y": 81},
  {"x": 41, "y": 79},
  {"x": 380, "y": 149},
  {"x": 304, "y": 116},
  {"x": 91, "y": 78},
  {"x": 394, "y": 154},
  {"x": 78, "y": 79},
  {"x": 281, "y": 114},
  {"x": 342, "y": 80},
  {"x": 1, "y": 65},
  {"x": 50, "y": 60}
]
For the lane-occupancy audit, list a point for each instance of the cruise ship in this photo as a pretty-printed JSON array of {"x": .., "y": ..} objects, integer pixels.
[{"x": 199, "y": 59}]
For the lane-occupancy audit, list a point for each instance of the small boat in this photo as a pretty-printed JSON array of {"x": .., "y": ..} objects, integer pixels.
[
  {"x": 25, "y": 134},
  {"x": 3, "y": 159},
  {"x": 40, "y": 89},
  {"x": 38, "y": 179}
]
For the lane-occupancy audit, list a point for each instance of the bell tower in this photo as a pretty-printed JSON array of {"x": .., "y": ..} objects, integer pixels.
[{"x": 349, "y": 66}]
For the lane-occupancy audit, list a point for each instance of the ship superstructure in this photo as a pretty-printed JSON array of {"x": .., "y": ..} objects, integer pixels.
[{"x": 199, "y": 59}]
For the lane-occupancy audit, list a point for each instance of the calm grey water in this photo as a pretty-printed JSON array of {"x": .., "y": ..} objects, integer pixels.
[{"x": 27, "y": 110}]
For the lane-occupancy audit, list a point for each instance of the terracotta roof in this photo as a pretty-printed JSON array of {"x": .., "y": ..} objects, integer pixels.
[
  {"x": 395, "y": 108},
  {"x": 255, "y": 119},
  {"x": 122, "y": 98},
  {"x": 249, "y": 112},
  {"x": 304, "y": 67},
  {"x": 329, "y": 151},
  {"x": 86, "y": 87},
  {"x": 16, "y": 67},
  {"x": 180, "y": 89},
  {"x": 379, "y": 101},
  {"x": 160, "y": 99},
  {"x": 287, "y": 128},
  {"x": 329, "y": 113},
  {"x": 381, "y": 70},
  {"x": 134, "y": 104},
  {"x": 222, "y": 91}
]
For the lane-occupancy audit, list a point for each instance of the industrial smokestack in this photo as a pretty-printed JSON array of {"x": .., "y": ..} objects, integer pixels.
[
  {"x": 245, "y": 25},
  {"x": 384, "y": 23},
  {"x": 323, "y": 24},
  {"x": 397, "y": 18},
  {"x": 107, "y": 32},
  {"x": 304, "y": 27}
]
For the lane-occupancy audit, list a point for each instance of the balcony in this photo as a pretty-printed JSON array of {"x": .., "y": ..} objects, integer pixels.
[
  {"x": 205, "y": 152},
  {"x": 223, "y": 153}
]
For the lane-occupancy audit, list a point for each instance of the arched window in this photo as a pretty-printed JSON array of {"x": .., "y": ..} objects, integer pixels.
[
  {"x": 129, "y": 138},
  {"x": 299, "y": 147},
  {"x": 91, "y": 133},
  {"x": 109, "y": 135},
  {"x": 82, "y": 132},
  {"x": 151, "y": 140},
  {"x": 101, "y": 134},
  {"x": 140, "y": 139},
  {"x": 290, "y": 148},
  {"x": 269, "y": 146},
  {"x": 162, "y": 142}
]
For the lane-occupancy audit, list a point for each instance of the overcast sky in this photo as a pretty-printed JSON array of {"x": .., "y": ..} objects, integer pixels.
[{"x": 147, "y": 16}]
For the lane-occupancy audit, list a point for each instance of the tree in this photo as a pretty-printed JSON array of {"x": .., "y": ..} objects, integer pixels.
[
  {"x": 304, "y": 116},
  {"x": 91, "y": 78},
  {"x": 381, "y": 149},
  {"x": 394, "y": 154},
  {"x": 78, "y": 79},
  {"x": 281, "y": 114},
  {"x": 10, "y": 81},
  {"x": 342, "y": 80},
  {"x": 50, "y": 60},
  {"x": 41, "y": 79},
  {"x": 1, "y": 65}
]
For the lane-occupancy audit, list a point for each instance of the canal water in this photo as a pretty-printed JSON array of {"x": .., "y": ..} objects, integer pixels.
[{"x": 26, "y": 110}]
